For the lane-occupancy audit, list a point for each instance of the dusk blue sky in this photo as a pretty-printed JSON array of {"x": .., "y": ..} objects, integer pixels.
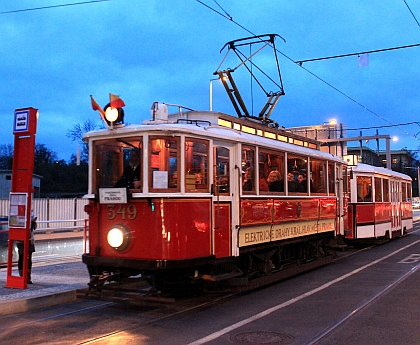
[{"x": 146, "y": 51}]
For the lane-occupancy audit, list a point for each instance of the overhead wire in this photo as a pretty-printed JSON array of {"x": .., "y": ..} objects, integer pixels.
[
  {"x": 412, "y": 13},
  {"x": 230, "y": 18},
  {"x": 313, "y": 74},
  {"x": 359, "y": 53},
  {"x": 54, "y": 6}
]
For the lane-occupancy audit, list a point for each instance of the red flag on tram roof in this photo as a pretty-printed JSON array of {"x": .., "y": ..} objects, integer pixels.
[
  {"x": 115, "y": 101},
  {"x": 96, "y": 106}
]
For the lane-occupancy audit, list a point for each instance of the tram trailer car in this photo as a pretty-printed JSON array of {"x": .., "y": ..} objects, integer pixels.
[
  {"x": 379, "y": 205},
  {"x": 214, "y": 197}
]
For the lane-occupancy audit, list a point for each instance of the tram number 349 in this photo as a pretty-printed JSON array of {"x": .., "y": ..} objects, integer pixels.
[{"x": 126, "y": 212}]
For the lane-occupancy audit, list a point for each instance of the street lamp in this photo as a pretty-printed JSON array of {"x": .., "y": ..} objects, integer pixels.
[
  {"x": 211, "y": 93},
  {"x": 211, "y": 90}
]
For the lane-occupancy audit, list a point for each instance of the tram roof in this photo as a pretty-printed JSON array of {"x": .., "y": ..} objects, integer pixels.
[
  {"x": 218, "y": 125},
  {"x": 370, "y": 169}
]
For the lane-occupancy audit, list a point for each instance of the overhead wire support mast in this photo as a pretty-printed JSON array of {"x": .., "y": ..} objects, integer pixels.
[{"x": 230, "y": 86}]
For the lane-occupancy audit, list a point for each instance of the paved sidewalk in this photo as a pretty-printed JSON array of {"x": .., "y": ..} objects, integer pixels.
[{"x": 53, "y": 284}]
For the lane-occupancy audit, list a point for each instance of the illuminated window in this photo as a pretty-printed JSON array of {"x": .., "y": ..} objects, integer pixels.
[
  {"x": 163, "y": 164},
  {"x": 224, "y": 123},
  {"x": 196, "y": 165},
  {"x": 318, "y": 176},
  {"x": 221, "y": 170},
  {"x": 270, "y": 135},
  {"x": 248, "y": 170},
  {"x": 385, "y": 186},
  {"x": 271, "y": 171},
  {"x": 364, "y": 188},
  {"x": 118, "y": 164},
  {"x": 378, "y": 189},
  {"x": 247, "y": 129}
]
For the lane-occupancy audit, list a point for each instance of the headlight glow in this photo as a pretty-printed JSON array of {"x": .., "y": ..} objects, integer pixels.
[{"x": 118, "y": 237}]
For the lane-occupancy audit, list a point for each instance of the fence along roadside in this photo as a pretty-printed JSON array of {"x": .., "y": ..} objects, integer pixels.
[{"x": 55, "y": 214}]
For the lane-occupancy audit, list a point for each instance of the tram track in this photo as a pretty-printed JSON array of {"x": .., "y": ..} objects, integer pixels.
[
  {"x": 231, "y": 328},
  {"x": 365, "y": 305},
  {"x": 147, "y": 317},
  {"x": 54, "y": 260}
]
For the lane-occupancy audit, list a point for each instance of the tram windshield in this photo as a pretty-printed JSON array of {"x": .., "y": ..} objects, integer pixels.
[{"x": 117, "y": 163}]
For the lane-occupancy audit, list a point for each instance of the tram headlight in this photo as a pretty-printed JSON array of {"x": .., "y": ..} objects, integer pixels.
[
  {"x": 118, "y": 237},
  {"x": 114, "y": 116}
]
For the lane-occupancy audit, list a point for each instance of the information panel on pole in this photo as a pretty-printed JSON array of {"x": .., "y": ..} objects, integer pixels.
[{"x": 18, "y": 210}]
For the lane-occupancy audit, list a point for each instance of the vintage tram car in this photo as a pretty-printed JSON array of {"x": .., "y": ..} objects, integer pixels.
[
  {"x": 379, "y": 206},
  {"x": 204, "y": 204}
]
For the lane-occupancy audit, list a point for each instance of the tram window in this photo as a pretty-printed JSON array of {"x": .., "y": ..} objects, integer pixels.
[
  {"x": 408, "y": 191},
  {"x": 396, "y": 191},
  {"x": 297, "y": 168},
  {"x": 117, "y": 164},
  {"x": 378, "y": 189},
  {"x": 271, "y": 171},
  {"x": 248, "y": 169},
  {"x": 346, "y": 179},
  {"x": 318, "y": 176},
  {"x": 385, "y": 185},
  {"x": 163, "y": 167},
  {"x": 221, "y": 169},
  {"x": 404, "y": 191},
  {"x": 196, "y": 165},
  {"x": 364, "y": 189},
  {"x": 331, "y": 179}
]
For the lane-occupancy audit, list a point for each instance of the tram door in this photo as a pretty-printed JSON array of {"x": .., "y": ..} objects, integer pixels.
[{"x": 223, "y": 190}]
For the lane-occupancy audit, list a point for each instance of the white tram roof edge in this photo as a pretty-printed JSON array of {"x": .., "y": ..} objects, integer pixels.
[
  {"x": 369, "y": 169},
  {"x": 205, "y": 124}
]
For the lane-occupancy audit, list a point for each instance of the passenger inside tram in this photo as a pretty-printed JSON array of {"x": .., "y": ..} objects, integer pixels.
[
  {"x": 248, "y": 184},
  {"x": 131, "y": 175},
  {"x": 368, "y": 196},
  {"x": 301, "y": 183},
  {"x": 291, "y": 183},
  {"x": 275, "y": 183}
]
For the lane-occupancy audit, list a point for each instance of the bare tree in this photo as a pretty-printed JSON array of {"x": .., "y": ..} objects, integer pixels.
[
  {"x": 77, "y": 132},
  {"x": 6, "y": 156}
]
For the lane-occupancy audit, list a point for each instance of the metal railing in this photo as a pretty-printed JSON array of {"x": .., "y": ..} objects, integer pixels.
[
  {"x": 55, "y": 214},
  {"x": 60, "y": 225}
]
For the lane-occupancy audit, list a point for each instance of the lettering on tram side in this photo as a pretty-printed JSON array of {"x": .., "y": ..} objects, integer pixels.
[{"x": 265, "y": 233}]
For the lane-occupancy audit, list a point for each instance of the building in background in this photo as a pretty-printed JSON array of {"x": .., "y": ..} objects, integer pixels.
[
  {"x": 401, "y": 161},
  {"x": 6, "y": 184}
]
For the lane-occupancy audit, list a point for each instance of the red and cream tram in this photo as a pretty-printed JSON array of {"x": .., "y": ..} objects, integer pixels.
[
  {"x": 379, "y": 203},
  {"x": 214, "y": 197}
]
